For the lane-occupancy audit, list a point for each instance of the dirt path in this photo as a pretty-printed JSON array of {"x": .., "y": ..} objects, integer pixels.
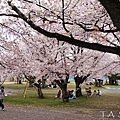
[
  {"x": 13, "y": 112},
  {"x": 31, "y": 113}
]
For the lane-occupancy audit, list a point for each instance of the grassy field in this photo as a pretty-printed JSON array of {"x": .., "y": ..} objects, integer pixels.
[{"x": 109, "y": 101}]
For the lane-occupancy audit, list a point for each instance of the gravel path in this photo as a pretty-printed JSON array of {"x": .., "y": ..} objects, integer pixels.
[
  {"x": 13, "y": 112},
  {"x": 31, "y": 113}
]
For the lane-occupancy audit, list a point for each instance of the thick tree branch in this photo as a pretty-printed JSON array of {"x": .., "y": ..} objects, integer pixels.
[
  {"x": 113, "y": 9},
  {"x": 60, "y": 37}
]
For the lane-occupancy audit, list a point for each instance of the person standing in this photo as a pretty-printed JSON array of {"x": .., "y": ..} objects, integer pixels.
[{"x": 2, "y": 94}]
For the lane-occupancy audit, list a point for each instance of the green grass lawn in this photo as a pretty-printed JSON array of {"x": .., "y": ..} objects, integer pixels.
[{"x": 107, "y": 100}]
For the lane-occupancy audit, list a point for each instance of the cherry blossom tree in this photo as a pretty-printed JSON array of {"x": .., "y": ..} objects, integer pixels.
[
  {"x": 75, "y": 21},
  {"x": 54, "y": 58},
  {"x": 92, "y": 64},
  {"x": 29, "y": 30}
]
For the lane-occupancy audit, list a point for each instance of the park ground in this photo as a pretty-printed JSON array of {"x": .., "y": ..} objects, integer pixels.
[{"x": 105, "y": 107}]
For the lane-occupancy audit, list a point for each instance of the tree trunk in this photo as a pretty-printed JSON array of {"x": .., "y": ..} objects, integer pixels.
[
  {"x": 31, "y": 81},
  {"x": 63, "y": 85},
  {"x": 113, "y": 9},
  {"x": 78, "y": 82},
  {"x": 65, "y": 95},
  {"x": 19, "y": 81},
  {"x": 43, "y": 83},
  {"x": 38, "y": 86},
  {"x": 111, "y": 81},
  {"x": 40, "y": 93},
  {"x": 96, "y": 82},
  {"x": 100, "y": 82},
  {"x": 78, "y": 92}
]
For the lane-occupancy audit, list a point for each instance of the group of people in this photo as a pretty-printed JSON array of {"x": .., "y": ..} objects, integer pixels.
[
  {"x": 95, "y": 93},
  {"x": 71, "y": 94},
  {"x": 99, "y": 93}
]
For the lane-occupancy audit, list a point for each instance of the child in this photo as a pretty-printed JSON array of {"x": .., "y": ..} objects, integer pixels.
[
  {"x": 99, "y": 93},
  {"x": 89, "y": 92},
  {"x": 2, "y": 94}
]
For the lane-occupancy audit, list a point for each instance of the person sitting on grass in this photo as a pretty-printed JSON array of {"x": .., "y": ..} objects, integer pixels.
[
  {"x": 99, "y": 93},
  {"x": 58, "y": 94},
  {"x": 89, "y": 92},
  {"x": 72, "y": 94}
]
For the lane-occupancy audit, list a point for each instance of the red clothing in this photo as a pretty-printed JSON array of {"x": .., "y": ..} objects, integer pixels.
[{"x": 59, "y": 94}]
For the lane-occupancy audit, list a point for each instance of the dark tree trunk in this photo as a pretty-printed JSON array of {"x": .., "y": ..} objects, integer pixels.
[
  {"x": 78, "y": 82},
  {"x": 113, "y": 80},
  {"x": 43, "y": 83},
  {"x": 32, "y": 83},
  {"x": 40, "y": 93},
  {"x": 113, "y": 9},
  {"x": 65, "y": 95},
  {"x": 78, "y": 92},
  {"x": 78, "y": 88},
  {"x": 96, "y": 82},
  {"x": 38, "y": 86},
  {"x": 63, "y": 85},
  {"x": 44, "y": 78},
  {"x": 19, "y": 81},
  {"x": 100, "y": 82}
]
